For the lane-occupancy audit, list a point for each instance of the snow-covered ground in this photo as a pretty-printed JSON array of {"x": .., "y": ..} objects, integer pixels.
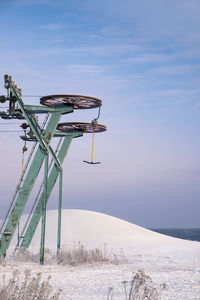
[{"x": 167, "y": 260}]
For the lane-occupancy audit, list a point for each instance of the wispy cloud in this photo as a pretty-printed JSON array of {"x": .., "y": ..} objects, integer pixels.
[
  {"x": 86, "y": 69},
  {"x": 31, "y": 2},
  {"x": 53, "y": 26},
  {"x": 149, "y": 58},
  {"x": 175, "y": 69},
  {"x": 109, "y": 50}
]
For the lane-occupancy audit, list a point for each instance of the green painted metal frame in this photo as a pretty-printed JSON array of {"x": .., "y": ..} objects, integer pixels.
[
  {"x": 26, "y": 188},
  {"x": 51, "y": 183},
  {"x": 42, "y": 153}
]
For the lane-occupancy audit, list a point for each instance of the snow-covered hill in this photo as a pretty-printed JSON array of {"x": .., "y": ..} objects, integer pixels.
[
  {"x": 94, "y": 229},
  {"x": 173, "y": 261}
]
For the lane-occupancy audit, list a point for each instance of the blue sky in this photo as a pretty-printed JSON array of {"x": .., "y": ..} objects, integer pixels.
[{"x": 142, "y": 59}]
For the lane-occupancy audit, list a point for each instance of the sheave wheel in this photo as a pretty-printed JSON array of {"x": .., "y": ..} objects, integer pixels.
[
  {"x": 77, "y": 101},
  {"x": 84, "y": 127}
]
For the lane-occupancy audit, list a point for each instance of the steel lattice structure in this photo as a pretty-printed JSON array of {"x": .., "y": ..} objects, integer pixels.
[{"x": 54, "y": 106}]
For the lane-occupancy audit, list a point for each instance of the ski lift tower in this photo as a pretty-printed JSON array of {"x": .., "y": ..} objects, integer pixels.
[{"x": 53, "y": 106}]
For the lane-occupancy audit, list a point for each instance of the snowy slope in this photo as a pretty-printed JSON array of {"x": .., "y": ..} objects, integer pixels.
[
  {"x": 94, "y": 229},
  {"x": 167, "y": 260}
]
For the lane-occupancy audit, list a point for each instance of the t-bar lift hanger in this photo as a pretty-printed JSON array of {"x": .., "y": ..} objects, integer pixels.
[{"x": 94, "y": 125}]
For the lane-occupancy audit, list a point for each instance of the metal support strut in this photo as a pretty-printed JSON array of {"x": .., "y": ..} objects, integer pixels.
[{"x": 44, "y": 205}]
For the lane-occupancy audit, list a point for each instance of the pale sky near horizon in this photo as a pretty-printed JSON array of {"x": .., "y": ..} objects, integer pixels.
[{"x": 142, "y": 59}]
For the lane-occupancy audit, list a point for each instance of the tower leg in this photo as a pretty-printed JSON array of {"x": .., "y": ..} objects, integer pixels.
[
  {"x": 59, "y": 212},
  {"x": 44, "y": 210}
]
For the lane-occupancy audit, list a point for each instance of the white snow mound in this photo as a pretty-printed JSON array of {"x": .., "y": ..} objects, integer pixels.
[{"x": 94, "y": 229}]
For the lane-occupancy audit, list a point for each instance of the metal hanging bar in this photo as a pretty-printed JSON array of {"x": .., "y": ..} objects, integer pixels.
[{"x": 94, "y": 124}]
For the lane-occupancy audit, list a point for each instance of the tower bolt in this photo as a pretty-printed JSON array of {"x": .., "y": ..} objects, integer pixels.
[
  {"x": 24, "y": 149},
  {"x": 24, "y": 126},
  {"x": 3, "y": 99}
]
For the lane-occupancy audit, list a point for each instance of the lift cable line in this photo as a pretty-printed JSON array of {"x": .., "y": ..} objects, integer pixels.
[
  {"x": 11, "y": 131},
  {"x": 54, "y": 106},
  {"x": 10, "y": 123},
  {"x": 37, "y": 96},
  {"x": 3, "y": 97}
]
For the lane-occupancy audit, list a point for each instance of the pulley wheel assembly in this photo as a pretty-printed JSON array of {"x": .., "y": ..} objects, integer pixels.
[
  {"x": 77, "y": 101},
  {"x": 84, "y": 127}
]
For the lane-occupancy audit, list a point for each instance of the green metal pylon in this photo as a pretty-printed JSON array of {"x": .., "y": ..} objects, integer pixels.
[
  {"x": 51, "y": 183},
  {"x": 44, "y": 141},
  {"x": 26, "y": 188},
  {"x": 56, "y": 105}
]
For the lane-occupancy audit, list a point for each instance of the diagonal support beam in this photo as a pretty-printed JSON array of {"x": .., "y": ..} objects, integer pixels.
[
  {"x": 27, "y": 110},
  {"x": 50, "y": 185},
  {"x": 27, "y": 187}
]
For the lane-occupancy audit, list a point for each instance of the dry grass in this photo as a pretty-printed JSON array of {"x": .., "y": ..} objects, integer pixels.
[
  {"x": 141, "y": 287},
  {"x": 77, "y": 255},
  {"x": 29, "y": 288}
]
